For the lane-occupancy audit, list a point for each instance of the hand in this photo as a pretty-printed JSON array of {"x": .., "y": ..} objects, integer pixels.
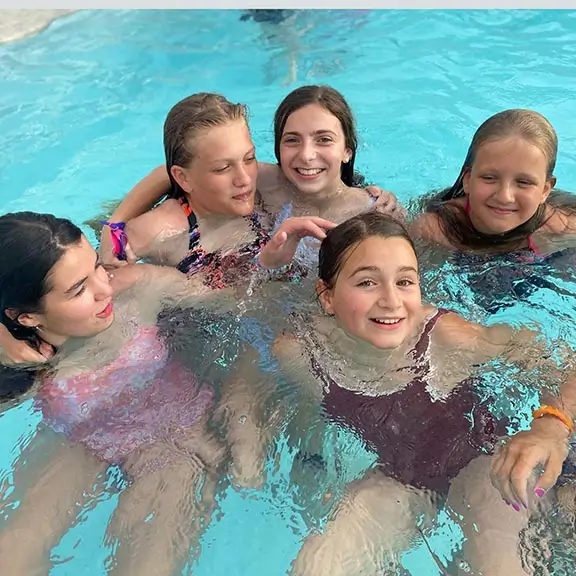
[
  {"x": 387, "y": 203},
  {"x": 546, "y": 444},
  {"x": 106, "y": 251},
  {"x": 282, "y": 246},
  {"x": 15, "y": 352}
]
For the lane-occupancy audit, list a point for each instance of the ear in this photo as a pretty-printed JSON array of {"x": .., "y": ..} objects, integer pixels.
[
  {"x": 324, "y": 294},
  {"x": 347, "y": 155},
  {"x": 182, "y": 177},
  {"x": 25, "y": 319},
  {"x": 466, "y": 182},
  {"x": 550, "y": 183}
]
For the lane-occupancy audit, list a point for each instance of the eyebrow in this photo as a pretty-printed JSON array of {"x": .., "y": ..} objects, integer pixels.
[
  {"x": 220, "y": 160},
  {"x": 315, "y": 133},
  {"x": 77, "y": 285},
  {"x": 376, "y": 269}
]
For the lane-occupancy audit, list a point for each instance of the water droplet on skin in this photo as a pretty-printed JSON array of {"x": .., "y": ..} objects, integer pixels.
[
  {"x": 242, "y": 420},
  {"x": 84, "y": 408}
]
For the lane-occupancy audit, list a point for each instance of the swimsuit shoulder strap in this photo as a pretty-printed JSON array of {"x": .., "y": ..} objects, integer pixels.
[
  {"x": 186, "y": 208},
  {"x": 421, "y": 347}
]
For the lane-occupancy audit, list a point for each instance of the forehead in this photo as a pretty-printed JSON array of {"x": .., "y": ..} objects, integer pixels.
[
  {"x": 76, "y": 263},
  {"x": 384, "y": 253},
  {"x": 224, "y": 141},
  {"x": 512, "y": 152},
  {"x": 311, "y": 118}
]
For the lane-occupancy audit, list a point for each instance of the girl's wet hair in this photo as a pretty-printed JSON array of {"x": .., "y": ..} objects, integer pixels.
[
  {"x": 338, "y": 242},
  {"x": 455, "y": 222},
  {"x": 334, "y": 103},
  {"x": 30, "y": 245},
  {"x": 186, "y": 120}
]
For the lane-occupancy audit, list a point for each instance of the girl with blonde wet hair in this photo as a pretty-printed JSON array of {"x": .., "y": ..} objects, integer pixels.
[
  {"x": 332, "y": 146},
  {"x": 504, "y": 197}
]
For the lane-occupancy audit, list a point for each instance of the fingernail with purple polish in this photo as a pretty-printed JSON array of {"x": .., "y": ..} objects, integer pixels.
[
  {"x": 516, "y": 507},
  {"x": 539, "y": 492}
]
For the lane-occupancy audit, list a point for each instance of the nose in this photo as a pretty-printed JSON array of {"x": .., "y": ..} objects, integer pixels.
[
  {"x": 102, "y": 287},
  {"x": 308, "y": 151},
  {"x": 505, "y": 193},
  {"x": 389, "y": 298},
  {"x": 241, "y": 177}
]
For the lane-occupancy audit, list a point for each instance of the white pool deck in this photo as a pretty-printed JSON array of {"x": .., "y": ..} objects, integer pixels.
[{"x": 16, "y": 24}]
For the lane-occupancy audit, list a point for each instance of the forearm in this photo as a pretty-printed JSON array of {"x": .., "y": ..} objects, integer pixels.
[{"x": 143, "y": 196}]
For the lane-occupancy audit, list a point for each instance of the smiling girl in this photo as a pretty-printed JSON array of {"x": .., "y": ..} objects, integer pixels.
[
  {"x": 398, "y": 372},
  {"x": 504, "y": 198}
]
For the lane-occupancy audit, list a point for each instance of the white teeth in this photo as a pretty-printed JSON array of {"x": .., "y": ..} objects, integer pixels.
[
  {"x": 386, "y": 320},
  {"x": 309, "y": 171}
]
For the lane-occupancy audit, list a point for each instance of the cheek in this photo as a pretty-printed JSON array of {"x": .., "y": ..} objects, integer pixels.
[
  {"x": 351, "y": 305},
  {"x": 72, "y": 314},
  {"x": 286, "y": 154}
]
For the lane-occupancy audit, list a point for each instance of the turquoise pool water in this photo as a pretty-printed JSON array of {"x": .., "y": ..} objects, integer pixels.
[{"x": 81, "y": 111}]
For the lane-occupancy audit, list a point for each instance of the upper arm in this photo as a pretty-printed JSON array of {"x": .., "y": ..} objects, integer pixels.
[
  {"x": 427, "y": 227},
  {"x": 478, "y": 344},
  {"x": 294, "y": 363},
  {"x": 160, "y": 234}
]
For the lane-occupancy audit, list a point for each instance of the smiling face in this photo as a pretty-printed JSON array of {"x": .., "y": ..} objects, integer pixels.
[
  {"x": 376, "y": 294},
  {"x": 79, "y": 300},
  {"x": 312, "y": 149},
  {"x": 221, "y": 178},
  {"x": 507, "y": 183}
]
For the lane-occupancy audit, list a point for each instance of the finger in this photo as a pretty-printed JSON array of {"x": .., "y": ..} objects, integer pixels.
[
  {"x": 520, "y": 474},
  {"x": 131, "y": 258},
  {"x": 279, "y": 239},
  {"x": 321, "y": 222},
  {"x": 499, "y": 473},
  {"x": 551, "y": 473},
  {"x": 310, "y": 229}
]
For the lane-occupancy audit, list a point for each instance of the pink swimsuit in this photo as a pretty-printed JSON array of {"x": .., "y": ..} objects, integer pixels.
[{"x": 139, "y": 398}]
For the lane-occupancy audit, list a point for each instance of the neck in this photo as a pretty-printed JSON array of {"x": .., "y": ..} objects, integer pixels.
[
  {"x": 361, "y": 351},
  {"x": 208, "y": 218},
  {"x": 55, "y": 340},
  {"x": 326, "y": 196}
]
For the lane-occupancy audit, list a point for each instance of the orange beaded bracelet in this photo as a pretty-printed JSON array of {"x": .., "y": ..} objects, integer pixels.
[{"x": 546, "y": 410}]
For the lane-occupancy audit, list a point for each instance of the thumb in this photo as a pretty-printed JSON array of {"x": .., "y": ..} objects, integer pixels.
[{"x": 279, "y": 239}]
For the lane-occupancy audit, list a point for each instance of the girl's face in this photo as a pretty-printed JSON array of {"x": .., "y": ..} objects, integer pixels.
[
  {"x": 312, "y": 149},
  {"x": 376, "y": 295},
  {"x": 221, "y": 178},
  {"x": 506, "y": 184},
  {"x": 79, "y": 303}
]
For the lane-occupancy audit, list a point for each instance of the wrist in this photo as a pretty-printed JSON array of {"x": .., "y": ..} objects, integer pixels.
[{"x": 550, "y": 425}]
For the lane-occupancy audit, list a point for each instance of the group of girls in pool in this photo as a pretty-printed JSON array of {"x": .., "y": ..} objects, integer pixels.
[{"x": 373, "y": 356}]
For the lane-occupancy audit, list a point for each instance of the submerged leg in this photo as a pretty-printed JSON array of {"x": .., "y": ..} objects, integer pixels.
[
  {"x": 376, "y": 519},
  {"x": 165, "y": 511}
]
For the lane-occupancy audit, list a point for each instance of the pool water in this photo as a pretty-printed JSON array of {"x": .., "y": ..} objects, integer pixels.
[{"x": 82, "y": 106}]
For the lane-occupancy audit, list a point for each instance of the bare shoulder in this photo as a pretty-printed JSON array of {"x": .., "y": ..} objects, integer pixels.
[
  {"x": 454, "y": 331},
  {"x": 427, "y": 226},
  {"x": 286, "y": 347},
  {"x": 271, "y": 186},
  {"x": 164, "y": 223}
]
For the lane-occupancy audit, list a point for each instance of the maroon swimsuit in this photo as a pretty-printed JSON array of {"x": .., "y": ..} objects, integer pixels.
[{"x": 419, "y": 441}]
